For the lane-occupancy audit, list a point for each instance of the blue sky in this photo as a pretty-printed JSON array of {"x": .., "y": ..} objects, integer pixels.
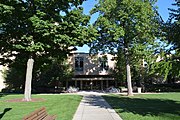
[{"x": 163, "y": 6}]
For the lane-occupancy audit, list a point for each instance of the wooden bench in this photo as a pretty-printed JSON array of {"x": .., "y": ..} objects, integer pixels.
[{"x": 40, "y": 114}]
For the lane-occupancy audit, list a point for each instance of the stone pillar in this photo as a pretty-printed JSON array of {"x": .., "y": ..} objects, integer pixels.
[
  {"x": 81, "y": 84},
  {"x": 27, "y": 92},
  {"x": 107, "y": 83},
  {"x": 101, "y": 84},
  {"x": 139, "y": 90}
]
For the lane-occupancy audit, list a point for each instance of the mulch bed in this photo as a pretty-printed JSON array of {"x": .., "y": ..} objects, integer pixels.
[{"x": 22, "y": 100}]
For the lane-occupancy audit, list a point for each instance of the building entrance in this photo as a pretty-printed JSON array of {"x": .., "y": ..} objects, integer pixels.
[{"x": 93, "y": 84}]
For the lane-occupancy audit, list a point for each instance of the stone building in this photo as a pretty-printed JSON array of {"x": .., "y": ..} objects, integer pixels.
[
  {"x": 2, "y": 84},
  {"x": 92, "y": 72}
]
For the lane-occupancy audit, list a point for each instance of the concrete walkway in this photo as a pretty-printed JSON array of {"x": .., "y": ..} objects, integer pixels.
[{"x": 94, "y": 107}]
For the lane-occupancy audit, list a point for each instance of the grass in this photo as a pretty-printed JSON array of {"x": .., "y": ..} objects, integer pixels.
[
  {"x": 64, "y": 106},
  {"x": 146, "y": 106}
]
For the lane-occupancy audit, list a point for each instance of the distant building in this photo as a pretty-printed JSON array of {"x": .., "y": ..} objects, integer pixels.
[
  {"x": 89, "y": 72},
  {"x": 2, "y": 84},
  {"x": 92, "y": 72},
  {"x": 3, "y": 68}
]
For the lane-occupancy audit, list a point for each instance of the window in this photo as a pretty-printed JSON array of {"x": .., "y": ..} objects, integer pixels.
[
  {"x": 103, "y": 63},
  {"x": 79, "y": 63}
]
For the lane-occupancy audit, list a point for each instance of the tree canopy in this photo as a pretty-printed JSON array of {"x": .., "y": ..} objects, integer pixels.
[
  {"x": 173, "y": 25},
  {"x": 41, "y": 26}
]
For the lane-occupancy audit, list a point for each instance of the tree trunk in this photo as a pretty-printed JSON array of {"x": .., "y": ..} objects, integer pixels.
[
  {"x": 27, "y": 93},
  {"x": 128, "y": 72}
]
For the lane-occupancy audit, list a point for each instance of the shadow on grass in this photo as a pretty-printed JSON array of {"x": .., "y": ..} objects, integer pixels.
[
  {"x": 3, "y": 95},
  {"x": 144, "y": 106},
  {"x": 4, "y": 112}
]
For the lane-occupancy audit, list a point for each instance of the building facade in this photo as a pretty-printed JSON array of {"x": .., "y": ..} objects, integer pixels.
[
  {"x": 92, "y": 72},
  {"x": 2, "y": 84}
]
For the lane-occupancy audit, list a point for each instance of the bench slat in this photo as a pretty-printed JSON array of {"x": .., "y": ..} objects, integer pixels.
[
  {"x": 34, "y": 113},
  {"x": 40, "y": 114},
  {"x": 50, "y": 117}
]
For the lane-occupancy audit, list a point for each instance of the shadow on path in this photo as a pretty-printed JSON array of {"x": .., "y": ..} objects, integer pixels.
[
  {"x": 93, "y": 100},
  {"x": 94, "y": 107}
]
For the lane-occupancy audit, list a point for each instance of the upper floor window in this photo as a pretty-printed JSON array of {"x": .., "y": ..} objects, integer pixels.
[
  {"x": 103, "y": 63},
  {"x": 79, "y": 63}
]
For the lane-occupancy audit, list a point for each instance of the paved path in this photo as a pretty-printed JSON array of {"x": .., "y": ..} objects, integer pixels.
[{"x": 94, "y": 107}]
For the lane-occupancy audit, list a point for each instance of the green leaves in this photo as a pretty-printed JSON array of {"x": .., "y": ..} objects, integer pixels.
[
  {"x": 40, "y": 22},
  {"x": 5, "y": 9},
  {"x": 127, "y": 20},
  {"x": 173, "y": 26}
]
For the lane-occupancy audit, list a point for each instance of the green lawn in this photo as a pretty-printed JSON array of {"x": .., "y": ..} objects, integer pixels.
[
  {"x": 64, "y": 106},
  {"x": 146, "y": 107}
]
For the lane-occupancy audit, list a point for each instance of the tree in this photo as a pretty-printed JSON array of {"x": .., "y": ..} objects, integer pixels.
[
  {"x": 121, "y": 25},
  {"x": 173, "y": 35},
  {"x": 169, "y": 66},
  {"x": 173, "y": 25},
  {"x": 41, "y": 28}
]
